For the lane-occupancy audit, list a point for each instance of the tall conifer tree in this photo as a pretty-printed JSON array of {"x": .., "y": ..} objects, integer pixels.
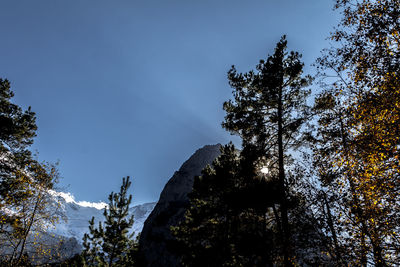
[
  {"x": 223, "y": 225},
  {"x": 268, "y": 112}
]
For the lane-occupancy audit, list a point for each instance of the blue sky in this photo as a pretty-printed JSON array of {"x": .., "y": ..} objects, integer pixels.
[{"x": 131, "y": 87}]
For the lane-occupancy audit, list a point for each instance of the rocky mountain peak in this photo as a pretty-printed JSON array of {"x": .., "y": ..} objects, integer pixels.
[{"x": 156, "y": 238}]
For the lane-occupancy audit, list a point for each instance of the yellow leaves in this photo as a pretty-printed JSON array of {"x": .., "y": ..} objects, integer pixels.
[{"x": 370, "y": 164}]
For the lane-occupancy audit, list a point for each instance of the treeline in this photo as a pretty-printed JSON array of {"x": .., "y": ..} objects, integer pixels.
[
  {"x": 312, "y": 185},
  {"x": 316, "y": 182},
  {"x": 24, "y": 185},
  {"x": 28, "y": 208}
]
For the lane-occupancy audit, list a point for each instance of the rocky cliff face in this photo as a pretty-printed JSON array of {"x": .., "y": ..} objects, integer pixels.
[{"x": 156, "y": 240}]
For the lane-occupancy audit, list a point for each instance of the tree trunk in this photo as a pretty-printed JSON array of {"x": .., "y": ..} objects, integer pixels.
[
  {"x": 282, "y": 187},
  {"x": 278, "y": 220},
  {"x": 332, "y": 228},
  {"x": 29, "y": 228},
  {"x": 377, "y": 250},
  {"x": 364, "y": 230}
]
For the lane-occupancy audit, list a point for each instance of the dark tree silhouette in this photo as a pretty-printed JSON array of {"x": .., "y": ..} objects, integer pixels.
[
  {"x": 24, "y": 182},
  {"x": 268, "y": 112},
  {"x": 110, "y": 244}
]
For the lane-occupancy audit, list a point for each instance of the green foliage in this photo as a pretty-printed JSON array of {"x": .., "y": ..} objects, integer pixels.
[
  {"x": 274, "y": 92},
  {"x": 17, "y": 127},
  {"x": 358, "y": 143},
  {"x": 110, "y": 244},
  {"x": 269, "y": 112},
  {"x": 351, "y": 212},
  {"x": 24, "y": 183},
  {"x": 75, "y": 261},
  {"x": 224, "y": 225},
  {"x": 239, "y": 216},
  {"x": 92, "y": 244}
]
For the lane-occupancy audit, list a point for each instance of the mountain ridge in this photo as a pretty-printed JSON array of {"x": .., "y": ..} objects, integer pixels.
[
  {"x": 156, "y": 241},
  {"x": 63, "y": 240},
  {"x": 78, "y": 213}
]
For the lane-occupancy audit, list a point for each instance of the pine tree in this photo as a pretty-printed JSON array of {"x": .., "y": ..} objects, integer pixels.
[
  {"x": 268, "y": 112},
  {"x": 17, "y": 130},
  {"x": 111, "y": 244},
  {"x": 24, "y": 182},
  {"x": 223, "y": 226},
  {"x": 92, "y": 244},
  {"x": 116, "y": 239}
]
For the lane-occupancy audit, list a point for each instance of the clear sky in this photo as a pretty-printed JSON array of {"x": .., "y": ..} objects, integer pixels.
[{"x": 134, "y": 87}]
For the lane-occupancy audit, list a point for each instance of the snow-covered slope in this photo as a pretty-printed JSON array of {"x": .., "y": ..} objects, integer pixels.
[
  {"x": 64, "y": 240},
  {"x": 78, "y": 213}
]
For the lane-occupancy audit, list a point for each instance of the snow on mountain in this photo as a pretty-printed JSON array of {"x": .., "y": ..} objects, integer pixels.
[{"x": 78, "y": 213}]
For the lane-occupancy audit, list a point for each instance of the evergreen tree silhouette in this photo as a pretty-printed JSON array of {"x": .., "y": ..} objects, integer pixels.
[
  {"x": 110, "y": 244},
  {"x": 268, "y": 112}
]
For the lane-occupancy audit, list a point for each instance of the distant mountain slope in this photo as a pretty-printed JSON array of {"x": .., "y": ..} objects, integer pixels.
[
  {"x": 156, "y": 239},
  {"x": 78, "y": 214},
  {"x": 65, "y": 238}
]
